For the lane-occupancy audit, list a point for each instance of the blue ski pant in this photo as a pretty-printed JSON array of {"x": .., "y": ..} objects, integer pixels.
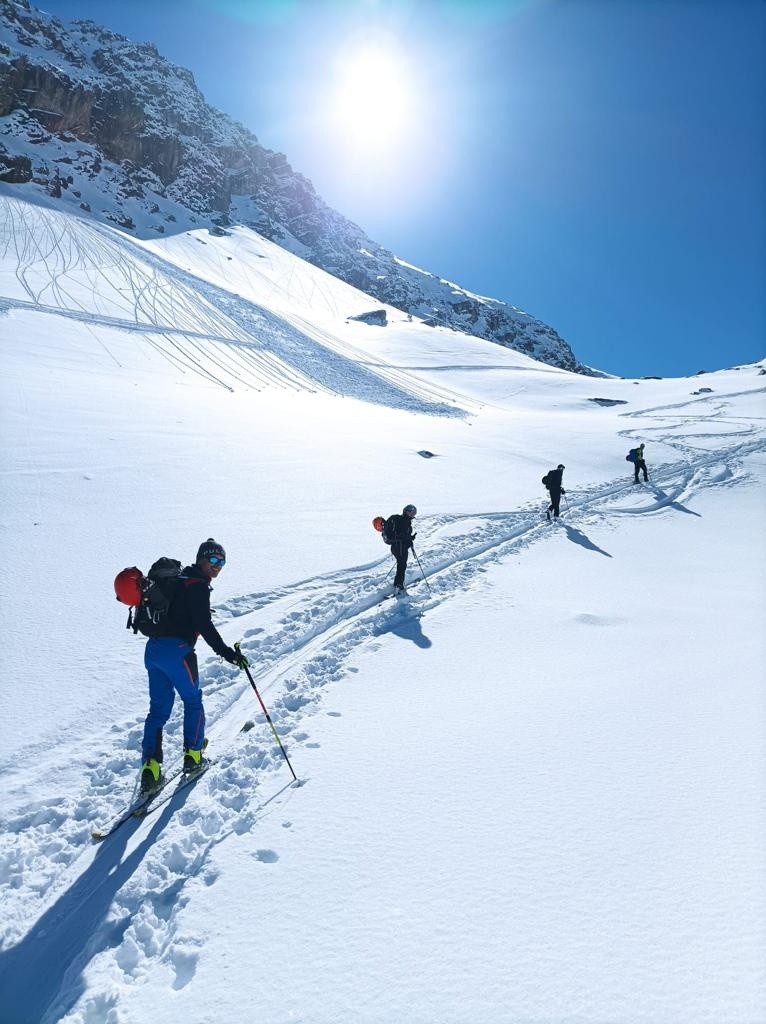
[{"x": 172, "y": 667}]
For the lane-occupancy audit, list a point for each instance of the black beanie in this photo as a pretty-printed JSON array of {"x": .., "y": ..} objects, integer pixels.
[{"x": 210, "y": 547}]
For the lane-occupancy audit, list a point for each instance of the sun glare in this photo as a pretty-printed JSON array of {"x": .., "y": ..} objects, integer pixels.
[{"x": 373, "y": 100}]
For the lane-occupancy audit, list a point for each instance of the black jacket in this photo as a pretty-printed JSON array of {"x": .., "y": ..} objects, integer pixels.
[
  {"x": 189, "y": 614},
  {"x": 554, "y": 479},
  {"x": 400, "y": 526}
]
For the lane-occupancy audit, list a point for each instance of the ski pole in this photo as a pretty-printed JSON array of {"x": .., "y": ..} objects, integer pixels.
[
  {"x": 421, "y": 570},
  {"x": 268, "y": 716},
  {"x": 567, "y": 501}
]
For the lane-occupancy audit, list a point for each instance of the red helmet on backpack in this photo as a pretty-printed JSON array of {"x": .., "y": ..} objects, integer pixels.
[{"x": 128, "y": 586}]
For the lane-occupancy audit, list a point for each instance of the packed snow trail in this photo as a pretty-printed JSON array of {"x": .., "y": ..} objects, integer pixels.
[
  {"x": 67, "y": 904},
  {"x": 315, "y": 625}
]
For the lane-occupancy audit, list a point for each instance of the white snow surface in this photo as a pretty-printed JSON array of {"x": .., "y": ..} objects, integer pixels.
[{"x": 531, "y": 792}]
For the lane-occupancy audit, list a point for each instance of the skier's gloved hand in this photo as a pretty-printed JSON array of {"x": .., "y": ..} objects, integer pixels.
[
  {"x": 563, "y": 491},
  {"x": 239, "y": 658},
  {"x": 413, "y": 536}
]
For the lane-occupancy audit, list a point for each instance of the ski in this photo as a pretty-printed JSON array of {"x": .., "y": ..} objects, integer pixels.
[
  {"x": 166, "y": 793},
  {"x": 137, "y": 808},
  {"x": 145, "y": 803},
  {"x": 401, "y": 597}
]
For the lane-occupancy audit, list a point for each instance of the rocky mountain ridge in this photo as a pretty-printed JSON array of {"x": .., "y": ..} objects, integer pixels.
[{"x": 113, "y": 128}]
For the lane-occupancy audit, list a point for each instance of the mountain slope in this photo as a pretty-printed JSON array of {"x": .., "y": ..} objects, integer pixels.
[
  {"x": 111, "y": 127},
  {"x": 535, "y": 792}
]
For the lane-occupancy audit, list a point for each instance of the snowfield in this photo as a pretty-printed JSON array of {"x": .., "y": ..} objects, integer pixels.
[{"x": 531, "y": 792}]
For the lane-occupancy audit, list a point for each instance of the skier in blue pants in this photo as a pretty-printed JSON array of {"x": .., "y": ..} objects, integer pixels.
[
  {"x": 172, "y": 667},
  {"x": 172, "y": 664}
]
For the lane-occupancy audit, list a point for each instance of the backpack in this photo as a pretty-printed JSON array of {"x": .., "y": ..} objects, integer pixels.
[
  {"x": 150, "y": 597},
  {"x": 545, "y": 480},
  {"x": 385, "y": 528},
  {"x": 389, "y": 533},
  {"x": 632, "y": 455}
]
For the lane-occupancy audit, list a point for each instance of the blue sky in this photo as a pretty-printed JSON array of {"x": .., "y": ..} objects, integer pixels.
[{"x": 599, "y": 163}]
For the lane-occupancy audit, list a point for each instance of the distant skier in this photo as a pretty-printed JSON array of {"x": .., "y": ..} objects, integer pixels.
[
  {"x": 636, "y": 456},
  {"x": 552, "y": 480},
  {"x": 172, "y": 664},
  {"x": 399, "y": 529}
]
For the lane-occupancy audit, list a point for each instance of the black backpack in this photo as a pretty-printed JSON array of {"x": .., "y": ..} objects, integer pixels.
[
  {"x": 388, "y": 532},
  {"x": 158, "y": 592},
  {"x": 545, "y": 480}
]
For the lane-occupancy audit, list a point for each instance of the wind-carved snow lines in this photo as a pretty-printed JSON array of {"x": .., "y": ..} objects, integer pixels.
[{"x": 69, "y": 267}]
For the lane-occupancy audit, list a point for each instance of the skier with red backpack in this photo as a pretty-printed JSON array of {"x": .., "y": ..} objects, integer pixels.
[
  {"x": 397, "y": 532},
  {"x": 173, "y": 618}
]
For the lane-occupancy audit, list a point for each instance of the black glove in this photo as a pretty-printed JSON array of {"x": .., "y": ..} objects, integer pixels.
[
  {"x": 413, "y": 536},
  {"x": 234, "y": 656},
  {"x": 239, "y": 658},
  {"x": 563, "y": 491}
]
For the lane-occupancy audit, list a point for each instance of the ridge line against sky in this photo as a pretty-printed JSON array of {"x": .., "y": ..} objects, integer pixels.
[{"x": 599, "y": 165}]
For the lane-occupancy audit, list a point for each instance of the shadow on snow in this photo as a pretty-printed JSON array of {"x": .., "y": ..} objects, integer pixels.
[
  {"x": 578, "y": 537},
  {"x": 47, "y": 965}
]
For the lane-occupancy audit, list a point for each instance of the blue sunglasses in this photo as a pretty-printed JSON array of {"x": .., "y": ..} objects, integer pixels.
[{"x": 215, "y": 560}]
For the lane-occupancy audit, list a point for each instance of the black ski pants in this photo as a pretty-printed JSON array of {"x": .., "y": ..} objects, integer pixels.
[
  {"x": 555, "y": 502},
  {"x": 400, "y": 550},
  {"x": 640, "y": 464}
]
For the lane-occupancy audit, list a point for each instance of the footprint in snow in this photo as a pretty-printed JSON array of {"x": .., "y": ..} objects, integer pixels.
[
  {"x": 185, "y": 966},
  {"x": 266, "y": 856},
  {"x": 597, "y": 620}
]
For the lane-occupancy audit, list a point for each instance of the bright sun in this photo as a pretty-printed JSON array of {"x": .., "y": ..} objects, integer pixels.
[{"x": 373, "y": 99}]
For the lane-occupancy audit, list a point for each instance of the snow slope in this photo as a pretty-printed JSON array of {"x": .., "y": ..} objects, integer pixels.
[
  {"x": 95, "y": 122},
  {"x": 534, "y": 792}
]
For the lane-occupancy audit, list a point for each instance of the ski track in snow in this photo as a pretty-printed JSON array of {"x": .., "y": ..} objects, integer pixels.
[
  {"x": 66, "y": 900},
  {"x": 128, "y": 897}
]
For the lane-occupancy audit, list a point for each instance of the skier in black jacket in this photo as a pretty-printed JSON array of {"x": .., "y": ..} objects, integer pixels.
[
  {"x": 636, "y": 456},
  {"x": 552, "y": 481},
  {"x": 400, "y": 528},
  {"x": 172, "y": 664}
]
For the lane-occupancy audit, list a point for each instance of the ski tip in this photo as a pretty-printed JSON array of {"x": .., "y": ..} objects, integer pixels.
[
  {"x": 97, "y": 836},
  {"x": 247, "y": 726}
]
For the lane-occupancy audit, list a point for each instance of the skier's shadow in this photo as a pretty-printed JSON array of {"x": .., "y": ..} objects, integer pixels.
[
  {"x": 668, "y": 502},
  {"x": 577, "y": 537},
  {"x": 48, "y": 964},
  {"x": 408, "y": 629}
]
